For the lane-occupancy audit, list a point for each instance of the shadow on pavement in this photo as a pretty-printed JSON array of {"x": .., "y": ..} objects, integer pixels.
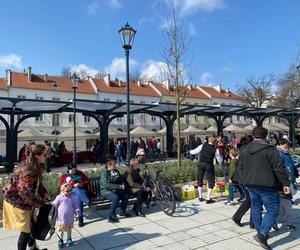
[{"x": 119, "y": 238}]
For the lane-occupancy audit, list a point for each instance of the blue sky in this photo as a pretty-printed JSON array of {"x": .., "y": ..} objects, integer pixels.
[{"x": 231, "y": 39}]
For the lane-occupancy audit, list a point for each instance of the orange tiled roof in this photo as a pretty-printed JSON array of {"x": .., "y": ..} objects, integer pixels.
[
  {"x": 192, "y": 92},
  {"x": 57, "y": 83},
  {"x": 117, "y": 87},
  {"x": 3, "y": 83},
  {"x": 223, "y": 94}
]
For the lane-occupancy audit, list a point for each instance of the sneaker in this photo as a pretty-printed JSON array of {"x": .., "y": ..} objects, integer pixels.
[
  {"x": 290, "y": 227},
  {"x": 210, "y": 201},
  {"x": 201, "y": 199},
  {"x": 237, "y": 222},
  {"x": 262, "y": 241},
  {"x": 140, "y": 214},
  {"x": 125, "y": 214},
  {"x": 70, "y": 242},
  {"x": 113, "y": 220},
  {"x": 229, "y": 203},
  {"x": 275, "y": 227},
  {"x": 80, "y": 221},
  {"x": 61, "y": 244}
]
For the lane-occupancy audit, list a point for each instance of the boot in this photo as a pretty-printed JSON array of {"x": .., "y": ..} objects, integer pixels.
[{"x": 80, "y": 221}]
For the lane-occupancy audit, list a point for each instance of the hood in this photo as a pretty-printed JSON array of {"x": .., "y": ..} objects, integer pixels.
[
  {"x": 255, "y": 147},
  {"x": 282, "y": 150}
]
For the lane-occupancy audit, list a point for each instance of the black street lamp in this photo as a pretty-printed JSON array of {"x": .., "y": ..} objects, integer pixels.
[
  {"x": 127, "y": 34},
  {"x": 293, "y": 98},
  {"x": 75, "y": 80}
]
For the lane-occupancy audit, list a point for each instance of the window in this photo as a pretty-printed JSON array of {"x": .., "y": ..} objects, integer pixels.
[
  {"x": 215, "y": 103},
  {"x": 19, "y": 116},
  {"x": 71, "y": 118},
  {"x": 142, "y": 102},
  {"x": 119, "y": 119},
  {"x": 21, "y": 96},
  {"x": 39, "y": 118},
  {"x": 187, "y": 119},
  {"x": 131, "y": 120},
  {"x": 196, "y": 117},
  {"x": 87, "y": 119},
  {"x": 106, "y": 99},
  {"x": 238, "y": 118},
  {"x": 119, "y": 100},
  {"x": 39, "y": 97},
  {"x": 55, "y": 120},
  {"x": 153, "y": 118},
  {"x": 56, "y": 99}
]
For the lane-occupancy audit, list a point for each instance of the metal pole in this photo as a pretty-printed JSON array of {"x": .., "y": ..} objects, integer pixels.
[
  {"x": 293, "y": 130},
  {"x": 74, "y": 114},
  {"x": 128, "y": 107}
]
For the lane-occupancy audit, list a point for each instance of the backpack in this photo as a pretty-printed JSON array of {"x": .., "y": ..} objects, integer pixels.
[{"x": 44, "y": 226}]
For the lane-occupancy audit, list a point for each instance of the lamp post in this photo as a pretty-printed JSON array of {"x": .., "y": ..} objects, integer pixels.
[
  {"x": 127, "y": 34},
  {"x": 75, "y": 80},
  {"x": 293, "y": 99}
]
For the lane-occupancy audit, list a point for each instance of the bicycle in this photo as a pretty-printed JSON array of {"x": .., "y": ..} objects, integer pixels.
[{"x": 162, "y": 192}]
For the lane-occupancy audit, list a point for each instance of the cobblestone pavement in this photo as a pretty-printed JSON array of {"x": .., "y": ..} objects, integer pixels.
[{"x": 195, "y": 225}]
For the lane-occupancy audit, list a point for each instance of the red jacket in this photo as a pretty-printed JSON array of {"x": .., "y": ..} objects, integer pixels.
[{"x": 84, "y": 179}]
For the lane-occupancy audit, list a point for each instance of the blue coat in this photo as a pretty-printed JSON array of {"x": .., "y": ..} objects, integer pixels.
[{"x": 289, "y": 165}]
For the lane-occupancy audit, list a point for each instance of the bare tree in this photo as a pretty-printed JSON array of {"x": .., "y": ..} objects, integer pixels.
[
  {"x": 66, "y": 72},
  {"x": 81, "y": 73},
  {"x": 177, "y": 67},
  {"x": 257, "y": 90}
]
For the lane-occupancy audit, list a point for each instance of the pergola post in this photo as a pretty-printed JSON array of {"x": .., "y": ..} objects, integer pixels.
[
  {"x": 169, "y": 121},
  {"x": 104, "y": 138}
]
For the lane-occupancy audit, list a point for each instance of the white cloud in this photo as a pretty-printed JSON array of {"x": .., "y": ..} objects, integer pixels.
[
  {"x": 192, "y": 29},
  {"x": 114, "y": 4},
  {"x": 225, "y": 69},
  {"x": 11, "y": 60},
  {"x": 154, "y": 71},
  {"x": 189, "y": 7},
  {"x": 83, "y": 70},
  {"x": 117, "y": 68},
  {"x": 207, "y": 78},
  {"x": 94, "y": 6}
]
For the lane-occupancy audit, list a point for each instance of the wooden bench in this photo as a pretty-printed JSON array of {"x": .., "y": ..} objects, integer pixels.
[{"x": 98, "y": 201}]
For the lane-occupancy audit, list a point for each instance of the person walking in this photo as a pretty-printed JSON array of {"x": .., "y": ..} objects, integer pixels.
[
  {"x": 67, "y": 206},
  {"x": 23, "y": 193},
  {"x": 262, "y": 171},
  {"x": 206, "y": 165}
]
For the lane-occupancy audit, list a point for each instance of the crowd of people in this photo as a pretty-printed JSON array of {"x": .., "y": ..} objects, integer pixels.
[
  {"x": 25, "y": 192},
  {"x": 261, "y": 169}
]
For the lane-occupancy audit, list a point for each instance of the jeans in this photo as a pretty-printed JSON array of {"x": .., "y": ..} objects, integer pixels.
[
  {"x": 115, "y": 198},
  {"x": 231, "y": 191},
  {"x": 82, "y": 197},
  {"x": 120, "y": 159},
  {"x": 244, "y": 207},
  {"x": 270, "y": 200}
]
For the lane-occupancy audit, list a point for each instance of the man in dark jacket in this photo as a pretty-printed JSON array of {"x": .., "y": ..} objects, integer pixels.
[
  {"x": 113, "y": 189},
  {"x": 262, "y": 171}
]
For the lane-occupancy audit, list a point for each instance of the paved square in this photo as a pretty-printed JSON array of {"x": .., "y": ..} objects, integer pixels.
[{"x": 195, "y": 225}]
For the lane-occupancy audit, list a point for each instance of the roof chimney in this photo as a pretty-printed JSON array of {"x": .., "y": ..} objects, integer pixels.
[
  {"x": 166, "y": 83},
  {"x": 139, "y": 83},
  {"x": 8, "y": 77},
  {"x": 227, "y": 90},
  {"x": 218, "y": 87},
  {"x": 106, "y": 79},
  {"x": 46, "y": 78},
  {"x": 120, "y": 83},
  {"x": 29, "y": 72}
]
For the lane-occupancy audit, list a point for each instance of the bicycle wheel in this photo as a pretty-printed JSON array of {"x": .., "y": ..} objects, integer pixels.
[{"x": 167, "y": 199}]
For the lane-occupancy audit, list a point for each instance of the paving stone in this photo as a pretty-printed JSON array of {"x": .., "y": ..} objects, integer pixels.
[
  {"x": 236, "y": 244},
  {"x": 195, "y": 232},
  {"x": 193, "y": 243},
  {"x": 179, "y": 236},
  {"x": 225, "y": 234},
  {"x": 162, "y": 240},
  {"x": 178, "y": 223},
  {"x": 146, "y": 244}
]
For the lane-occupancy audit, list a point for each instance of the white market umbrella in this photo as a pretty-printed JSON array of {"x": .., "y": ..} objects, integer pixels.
[
  {"x": 191, "y": 130},
  {"x": 33, "y": 134},
  {"x": 212, "y": 129},
  {"x": 113, "y": 133},
  {"x": 68, "y": 135},
  {"x": 281, "y": 126},
  {"x": 249, "y": 128},
  {"x": 235, "y": 129},
  {"x": 270, "y": 127},
  {"x": 142, "y": 132}
]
